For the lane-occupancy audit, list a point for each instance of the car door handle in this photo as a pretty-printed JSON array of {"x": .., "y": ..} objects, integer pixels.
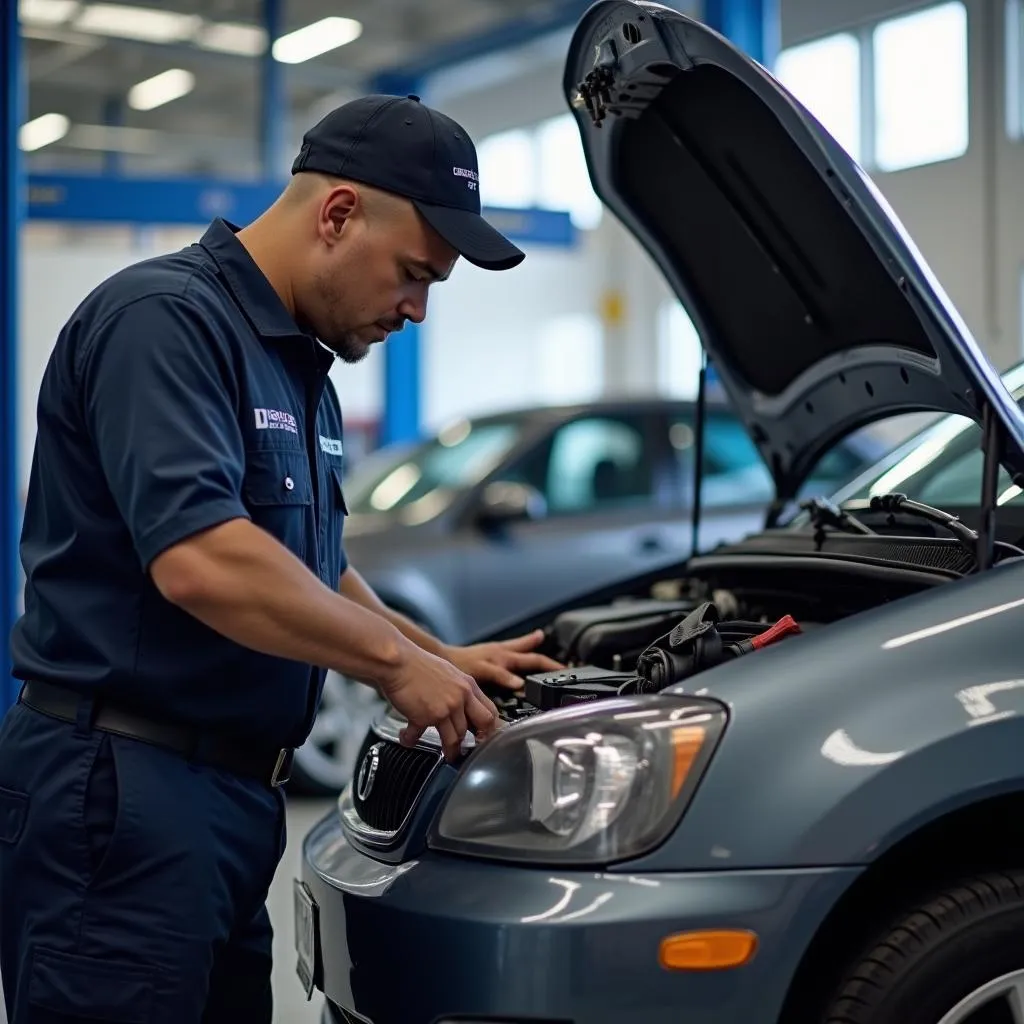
[{"x": 652, "y": 542}]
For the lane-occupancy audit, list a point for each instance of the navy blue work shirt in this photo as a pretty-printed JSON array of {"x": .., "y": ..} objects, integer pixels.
[{"x": 181, "y": 394}]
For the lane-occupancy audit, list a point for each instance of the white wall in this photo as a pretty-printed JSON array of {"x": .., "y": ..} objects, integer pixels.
[
  {"x": 481, "y": 339},
  {"x": 58, "y": 268}
]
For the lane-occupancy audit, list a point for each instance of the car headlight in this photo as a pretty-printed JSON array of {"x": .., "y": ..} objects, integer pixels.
[{"x": 587, "y": 785}]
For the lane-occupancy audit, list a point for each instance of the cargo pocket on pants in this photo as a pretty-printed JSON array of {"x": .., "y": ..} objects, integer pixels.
[
  {"x": 69, "y": 989},
  {"x": 13, "y": 811}
]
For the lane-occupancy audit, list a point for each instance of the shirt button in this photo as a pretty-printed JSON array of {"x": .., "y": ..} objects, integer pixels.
[{"x": 289, "y": 483}]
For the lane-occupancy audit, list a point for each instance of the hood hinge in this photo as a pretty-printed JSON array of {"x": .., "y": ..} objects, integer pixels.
[{"x": 596, "y": 89}]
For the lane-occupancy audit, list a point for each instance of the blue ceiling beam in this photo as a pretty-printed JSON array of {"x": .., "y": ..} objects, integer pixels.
[
  {"x": 752, "y": 25},
  {"x": 11, "y": 109},
  {"x": 506, "y": 36}
]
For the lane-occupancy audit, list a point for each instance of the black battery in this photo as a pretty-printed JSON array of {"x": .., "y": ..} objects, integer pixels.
[{"x": 547, "y": 690}]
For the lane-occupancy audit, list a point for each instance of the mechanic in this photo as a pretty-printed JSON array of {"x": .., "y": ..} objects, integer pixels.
[{"x": 182, "y": 550}]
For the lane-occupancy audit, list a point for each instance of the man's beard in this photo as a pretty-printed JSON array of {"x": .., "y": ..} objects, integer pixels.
[{"x": 350, "y": 349}]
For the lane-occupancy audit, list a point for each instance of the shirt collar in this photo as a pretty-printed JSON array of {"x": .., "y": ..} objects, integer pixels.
[{"x": 255, "y": 294}]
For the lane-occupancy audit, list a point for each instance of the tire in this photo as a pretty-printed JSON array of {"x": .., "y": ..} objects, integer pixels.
[
  {"x": 956, "y": 959},
  {"x": 323, "y": 764}
]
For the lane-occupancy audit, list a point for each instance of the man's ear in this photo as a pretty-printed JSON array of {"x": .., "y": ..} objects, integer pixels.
[{"x": 337, "y": 209}]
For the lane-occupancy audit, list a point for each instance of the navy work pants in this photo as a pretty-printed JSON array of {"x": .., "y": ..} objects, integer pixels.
[{"x": 133, "y": 882}]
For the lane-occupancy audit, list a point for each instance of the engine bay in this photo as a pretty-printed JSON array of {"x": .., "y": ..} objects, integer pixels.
[{"x": 768, "y": 588}]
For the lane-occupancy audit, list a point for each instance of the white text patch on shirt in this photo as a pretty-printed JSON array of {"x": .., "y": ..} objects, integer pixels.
[
  {"x": 331, "y": 445},
  {"x": 274, "y": 419}
]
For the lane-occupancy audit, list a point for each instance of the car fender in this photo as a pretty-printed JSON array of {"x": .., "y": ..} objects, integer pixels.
[
  {"x": 415, "y": 594},
  {"x": 844, "y": 740}
]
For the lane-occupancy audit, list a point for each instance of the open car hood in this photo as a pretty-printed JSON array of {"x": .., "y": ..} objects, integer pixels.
[{"x": 813, "y": 304}]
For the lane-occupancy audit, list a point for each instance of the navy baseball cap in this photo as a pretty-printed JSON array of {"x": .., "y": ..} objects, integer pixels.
[{"x": 400, "y": 145}]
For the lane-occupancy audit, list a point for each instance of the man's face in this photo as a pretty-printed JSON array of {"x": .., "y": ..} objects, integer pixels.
[{"x": 375, "y": 275}]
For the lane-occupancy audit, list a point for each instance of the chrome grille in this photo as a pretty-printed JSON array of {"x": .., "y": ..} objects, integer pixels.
[{"x": 401, "y": 773}]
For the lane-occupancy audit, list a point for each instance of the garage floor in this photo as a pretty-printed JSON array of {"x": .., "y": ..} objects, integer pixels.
[{"x": 289, "y": 1000}]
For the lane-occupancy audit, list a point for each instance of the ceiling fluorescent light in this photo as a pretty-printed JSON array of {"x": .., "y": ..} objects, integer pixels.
[
  {"x": 141, "y": 23},
  {"x": 42, "y": 131},
  {"x": 46, "y": 12},
  {"x": 233, "y": 37},
  {"x": 161, "y": 89},
  {"x": 311, "y": 41}
]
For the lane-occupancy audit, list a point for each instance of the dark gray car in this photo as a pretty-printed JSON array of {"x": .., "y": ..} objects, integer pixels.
[
  {"x": 549, "y": 502},
  {"x": 782, "y": 781}
]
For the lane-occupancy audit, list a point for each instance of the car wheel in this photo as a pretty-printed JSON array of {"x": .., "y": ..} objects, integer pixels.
[
  {"x": 323, "y": 764},
  {"x": 957, "y": 959}
]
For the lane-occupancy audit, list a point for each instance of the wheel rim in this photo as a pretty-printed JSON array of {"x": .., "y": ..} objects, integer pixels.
[
  {"x": 1004, "y": 992},
  {"x": 346, "y": 710}
]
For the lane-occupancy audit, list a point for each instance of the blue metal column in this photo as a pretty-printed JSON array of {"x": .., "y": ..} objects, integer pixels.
[
  {"x": 11, "y": 201},
  {"x": 752, "y": 25},
  {"x": 273, "y": 107},
  {"x": 113, "y": 117},
  {"x": 400, "y": 417}
]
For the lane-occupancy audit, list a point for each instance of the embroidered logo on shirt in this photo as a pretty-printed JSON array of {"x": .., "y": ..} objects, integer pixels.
[
  {"x": 331, "y": 445},
  {"x": 274, "y": 419}
]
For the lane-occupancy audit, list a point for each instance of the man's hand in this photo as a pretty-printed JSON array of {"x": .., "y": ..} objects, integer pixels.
[
  {"x": 429, "y": 691},
  {"x": 499, "y": 662}
]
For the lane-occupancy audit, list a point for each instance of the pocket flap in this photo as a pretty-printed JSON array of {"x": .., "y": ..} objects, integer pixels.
[
  {"x": 13, "y": 811},
  {"x": 94, "y": 989},
  {"x": 277, "y": 478},
  {"x": 339, "y": 489}
]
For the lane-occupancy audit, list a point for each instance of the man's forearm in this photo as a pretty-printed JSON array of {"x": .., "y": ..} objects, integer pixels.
[
  {"x": 355, "y": 588},
  {"x": 243, "y": 583}
]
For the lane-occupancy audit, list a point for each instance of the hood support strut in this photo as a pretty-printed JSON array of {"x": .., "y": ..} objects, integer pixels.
[
  {"x": 992, "y": 440},
  {"x": 698, "y": 452}
]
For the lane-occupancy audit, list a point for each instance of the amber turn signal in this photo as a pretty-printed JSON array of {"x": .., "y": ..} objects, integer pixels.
[
  {"x": 687, "y": 741},
  {"x": 712, "y": 950}
]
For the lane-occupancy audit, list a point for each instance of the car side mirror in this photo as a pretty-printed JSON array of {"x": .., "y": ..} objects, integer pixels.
[{"x": 505, "y": 501}]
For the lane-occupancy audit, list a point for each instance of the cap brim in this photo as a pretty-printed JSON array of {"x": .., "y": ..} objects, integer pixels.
[{"x": 472, "y": 237}]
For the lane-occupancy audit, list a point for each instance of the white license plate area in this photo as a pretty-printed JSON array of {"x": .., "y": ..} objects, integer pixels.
[{"x": 306, "y": 935}]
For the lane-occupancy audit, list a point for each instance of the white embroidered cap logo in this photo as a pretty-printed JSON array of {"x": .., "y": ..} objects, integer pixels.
[{"x": 472, "y": 178}]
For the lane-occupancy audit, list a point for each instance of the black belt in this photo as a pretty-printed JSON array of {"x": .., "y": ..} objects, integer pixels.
[{"x": 272, "y": 767}]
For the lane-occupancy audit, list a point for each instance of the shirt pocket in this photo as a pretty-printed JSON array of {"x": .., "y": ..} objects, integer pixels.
[{"x": 279, "y": 495}]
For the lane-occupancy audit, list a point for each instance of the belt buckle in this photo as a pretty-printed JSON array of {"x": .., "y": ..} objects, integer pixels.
[{"x": 282, "y": 767}]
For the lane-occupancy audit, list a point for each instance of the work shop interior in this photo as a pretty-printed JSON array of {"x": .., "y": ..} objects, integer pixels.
[{"x": 627, "y": 635}]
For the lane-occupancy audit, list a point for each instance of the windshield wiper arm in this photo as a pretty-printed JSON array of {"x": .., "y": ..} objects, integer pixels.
[{"x": 824, "y": 512}]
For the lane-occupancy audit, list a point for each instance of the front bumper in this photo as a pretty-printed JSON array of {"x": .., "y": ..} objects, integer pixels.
[{"x": 445, "y": 938}]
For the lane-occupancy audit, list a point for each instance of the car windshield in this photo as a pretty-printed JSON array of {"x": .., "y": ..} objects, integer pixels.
[
  {"x": 458, "y": 457},
  {"x": 941, "y": 466}
]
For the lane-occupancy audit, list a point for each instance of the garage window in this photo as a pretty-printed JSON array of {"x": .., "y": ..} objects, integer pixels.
[
  {"x": 895, "y": 93},
  {"x": 921, "y": 87},
  {"x": 507, "y": 165},
  {"x": 539, "y": 166},
  {"x": 825, "y": 76},
  {"x": 564, "y": 182}
]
